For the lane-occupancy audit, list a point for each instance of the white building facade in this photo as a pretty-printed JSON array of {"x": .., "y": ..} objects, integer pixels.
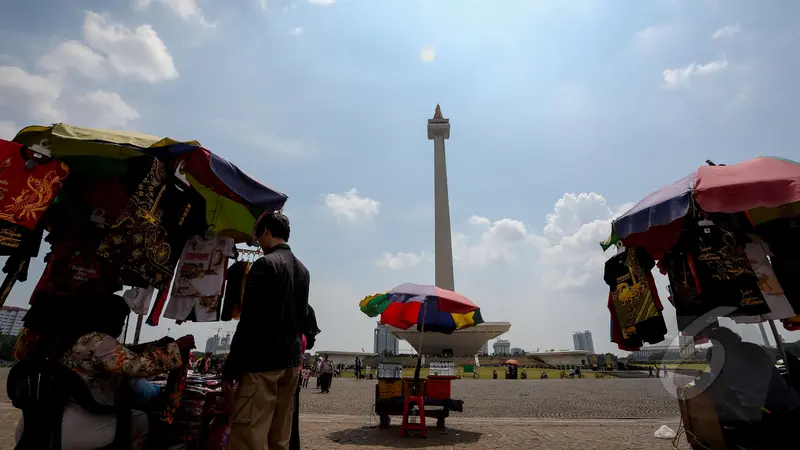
[
  {"x": 218, "y": 345},
  {"x": 502, "y": 347},
  {"x": 385, "y": 343},
  {"x": 11, "y": 320}
]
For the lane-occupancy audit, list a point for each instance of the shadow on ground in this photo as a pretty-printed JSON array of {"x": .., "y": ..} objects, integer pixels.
[{"x": 390, "y": 437}]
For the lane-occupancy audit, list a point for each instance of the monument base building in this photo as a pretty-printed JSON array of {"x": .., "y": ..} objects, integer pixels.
[{"x": 466, "y": 342}]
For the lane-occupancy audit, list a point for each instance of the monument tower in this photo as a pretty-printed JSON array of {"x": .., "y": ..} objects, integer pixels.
[{"x": 438, "y": 131}]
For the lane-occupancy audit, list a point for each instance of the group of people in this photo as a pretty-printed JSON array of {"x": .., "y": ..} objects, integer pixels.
[
  {"x": 657, "y": 371},
  {"x": 261, "y": 375}
]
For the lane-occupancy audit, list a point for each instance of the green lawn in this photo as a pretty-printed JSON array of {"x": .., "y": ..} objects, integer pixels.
[{"x": 486, "y": 373}]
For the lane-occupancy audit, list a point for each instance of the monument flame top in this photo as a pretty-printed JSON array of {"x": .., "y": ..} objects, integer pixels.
[{"x": 437, "y": 115}]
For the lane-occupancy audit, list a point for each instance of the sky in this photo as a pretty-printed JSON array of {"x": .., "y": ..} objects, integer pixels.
[{"x": 563, "y": 115}]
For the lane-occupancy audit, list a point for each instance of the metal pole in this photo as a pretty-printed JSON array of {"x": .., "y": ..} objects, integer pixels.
[
  {"x": 10, "y": 280},
  {"x": 778, "y": 341},
  {"x": 125, "y": 334},
  {"x": 419, "y": 356},
  {"x": 139, "y": 320},
  {"x": 763, "y": 333}
]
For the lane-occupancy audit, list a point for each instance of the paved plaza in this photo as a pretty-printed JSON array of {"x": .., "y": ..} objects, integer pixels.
[{"x": 508, "y": 414}]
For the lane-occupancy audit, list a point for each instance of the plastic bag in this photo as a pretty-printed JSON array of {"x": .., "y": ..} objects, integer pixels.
[{"x": 664, "y": 432}]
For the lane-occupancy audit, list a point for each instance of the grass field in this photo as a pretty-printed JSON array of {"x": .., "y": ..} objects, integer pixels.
[{"x": 485, "y": 373}]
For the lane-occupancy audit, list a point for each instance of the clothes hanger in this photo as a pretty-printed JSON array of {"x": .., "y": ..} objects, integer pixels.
[
  {"x": 39, "y": 152},
  {"x": 180, "y": 175},
  {"x": 704, "y": 221}
]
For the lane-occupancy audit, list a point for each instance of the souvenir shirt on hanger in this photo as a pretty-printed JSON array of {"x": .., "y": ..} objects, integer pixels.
[
  {"x": 689, "y": 305},
  {"x": 758, "y": 253},
  {"x": 783, "y": 237},
  {"x": 634, "y": 297},
  {"x": 199, "y": 282},
  {"x": 721, "y": 269},
  {"x": 202, "y": 265},
  {"x": 157, "y": 220},
  {"x": 29, "y": 182}
]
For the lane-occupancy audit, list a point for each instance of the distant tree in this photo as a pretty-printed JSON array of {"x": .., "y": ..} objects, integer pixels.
[{"x": 7, "y": 347}]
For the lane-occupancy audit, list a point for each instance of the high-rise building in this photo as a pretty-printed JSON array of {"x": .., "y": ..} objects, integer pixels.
[
  {"x": 582, "y": 340},
  {"x": 385, "y": 342},
  {"x": 11, "y": 319},
  {"x": 686, "y": 346},
  {"x": 502, "y": 347},
  {"x": 218, "y": 345}
]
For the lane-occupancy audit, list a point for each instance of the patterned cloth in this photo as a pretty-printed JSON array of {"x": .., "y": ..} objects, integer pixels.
[
  {"x": 103, "y": 363},
  {"x": 157, "y": 220},
  {"x": 28, "y": 185}
]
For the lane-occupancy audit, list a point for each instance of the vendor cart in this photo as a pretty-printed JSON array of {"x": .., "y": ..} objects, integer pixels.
[{"x": 390, "y": 395}]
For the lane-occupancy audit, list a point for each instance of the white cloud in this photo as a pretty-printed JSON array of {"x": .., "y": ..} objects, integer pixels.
[
  {"x": 187, "y": 10},
  {"x": 649, "y": 39},
  {"x": 428, "y": 54},
  {"x": 297, "y": 31},
  {"x": 32, "y": 95},
  {"x": 74, "y": 56},
  {"x": 726, "y": 31},
  {"x": 573, "y": 211},
  {"x": 263, "y": 4},
  {"x": 322, "y": 2},
  {"x": 351, "y": 206},
  {"x": 8, "y": 129},
  {"x": 478, "y": 220},
  {"x": 136, "y": 53},
  {"x": 141, "y": 5},
  {"x": 498, "y": 243},
  {"x": 681, "y": 77},
  {"x": 399, "y": 261},
  {"x": 552, "y": 278},
  {"x": 104, "y": 110}
]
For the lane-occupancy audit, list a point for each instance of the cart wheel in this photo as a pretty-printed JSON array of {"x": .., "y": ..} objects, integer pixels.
[
  {"x": 385, "y": 421},
  {"x": 440, "y": 423}
]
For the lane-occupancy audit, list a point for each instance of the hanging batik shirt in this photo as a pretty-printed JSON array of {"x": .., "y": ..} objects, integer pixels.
[
  {"x": 157, "y": 220},
  {"x": 688, "y": 302},
  {"x": 634, "y": 296},
  {"x": 783, "y": 236},
  {"x": 758, "y": 254},
  {"x": 25, "y": 193},
  {"x": 75, "y": 269},
  {"x": 722, "y": 271},
  {"x": 200, "y": 279}
]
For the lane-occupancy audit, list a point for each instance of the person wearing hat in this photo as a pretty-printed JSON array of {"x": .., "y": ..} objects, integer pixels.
[{"x": 266, "y": 352}]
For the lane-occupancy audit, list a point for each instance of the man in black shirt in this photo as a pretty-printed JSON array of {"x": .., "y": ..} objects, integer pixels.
[{"x": 265, "y": 352}]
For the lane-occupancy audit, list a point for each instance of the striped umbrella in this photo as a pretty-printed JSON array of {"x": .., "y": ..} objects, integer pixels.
[{"x": 428, "y": 307}]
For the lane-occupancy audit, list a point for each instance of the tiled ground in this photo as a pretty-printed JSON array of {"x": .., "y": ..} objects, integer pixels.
[{"x": 501, "y": 414}]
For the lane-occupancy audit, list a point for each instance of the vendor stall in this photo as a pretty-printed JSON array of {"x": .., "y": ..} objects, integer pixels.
[
  {"x": 728, "y": 239},
  {"x": 125, "y": 210},
  {"x": 430, "y": 309}
]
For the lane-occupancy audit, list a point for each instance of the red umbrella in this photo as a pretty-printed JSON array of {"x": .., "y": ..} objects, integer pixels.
[{"x": 759, "y": 182}]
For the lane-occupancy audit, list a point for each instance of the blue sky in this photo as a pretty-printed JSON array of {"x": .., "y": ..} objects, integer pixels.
[{"x": 562, "y": 113}]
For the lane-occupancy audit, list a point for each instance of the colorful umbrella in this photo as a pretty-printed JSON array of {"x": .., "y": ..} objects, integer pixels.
[
  {"x": 655, "y": 222},
  {"x": 511, "y": 362},
  {"x": 428, "y": 307},
  {"x": 234, "y": 200}
]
